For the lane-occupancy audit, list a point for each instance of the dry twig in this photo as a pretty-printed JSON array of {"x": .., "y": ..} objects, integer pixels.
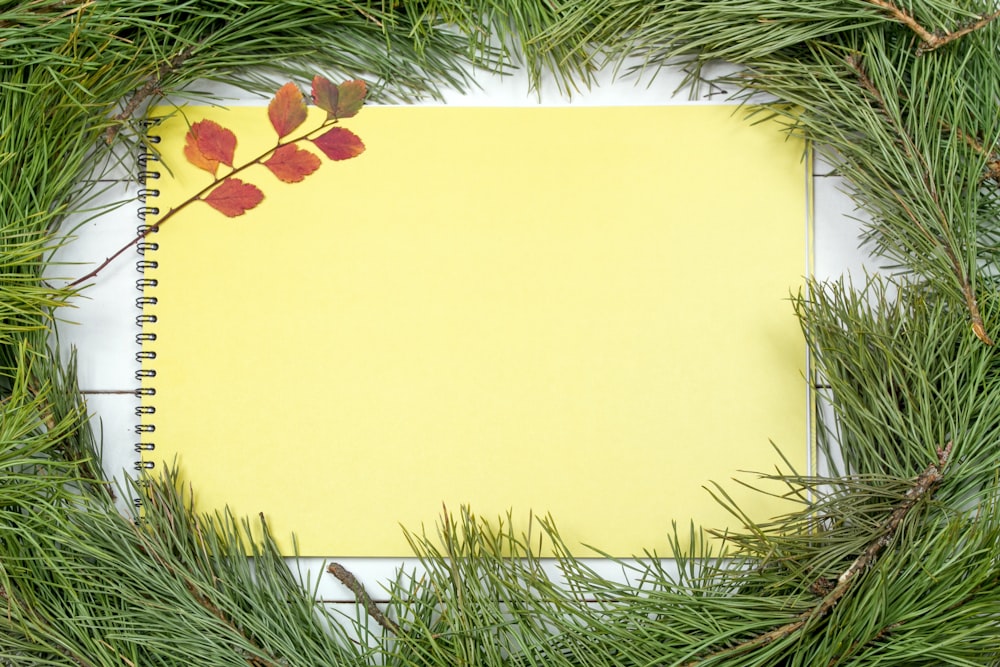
[{"x": 349, "y": 580}]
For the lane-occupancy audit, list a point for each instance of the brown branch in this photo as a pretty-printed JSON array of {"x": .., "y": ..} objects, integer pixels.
[
  {"x": 993, "y": 169},
  {"x": 349, "y": 580},
  {"x": 148, "y": 89},
  {"x": 107, "y": 260},
  {"x": 906, "y": 19},
  {"x": 971, "y": 26},
  {"x": 933, "y": 40},
  {"x": 924, "y": 483}
]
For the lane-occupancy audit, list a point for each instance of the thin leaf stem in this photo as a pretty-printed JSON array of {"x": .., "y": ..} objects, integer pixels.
[{"x": 197, "y": 196}]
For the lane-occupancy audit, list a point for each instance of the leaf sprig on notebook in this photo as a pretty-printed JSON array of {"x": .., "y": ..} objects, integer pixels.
[{"x": 209, "y": 145}]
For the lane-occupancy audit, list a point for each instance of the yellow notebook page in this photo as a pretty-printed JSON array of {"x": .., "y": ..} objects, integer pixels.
[{"x": 575, "y": 311}]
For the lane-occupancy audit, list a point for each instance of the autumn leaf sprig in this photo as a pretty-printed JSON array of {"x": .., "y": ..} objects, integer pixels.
[{"x": 207, "y": 145}]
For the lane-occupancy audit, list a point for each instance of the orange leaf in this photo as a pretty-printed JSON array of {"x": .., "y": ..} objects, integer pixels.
[
  {"x": 325, "y": 96},
  {"x": 287, "y": 110},
  {"x": 350, "y": 98},
  {"x": 233, "y": 197},
  {"x": 339, "y": 144},
  {"x": 291, "y": 164},
  {"x": 214, "y": 141},
  {"x": 195, "y": 157}
]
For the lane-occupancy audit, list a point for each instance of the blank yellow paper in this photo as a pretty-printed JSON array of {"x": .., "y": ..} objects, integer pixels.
[{"x": 575, "y": 311}]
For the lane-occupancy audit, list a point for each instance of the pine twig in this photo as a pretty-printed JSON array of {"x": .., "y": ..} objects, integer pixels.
[
  {"x": 933, "y": 40},
  {"x": 972, "y": 26},
  {"x": 192, "y": 588},
  {"x": 992, "y": 158},
  {"x": 212, "y": 608},
  {"x": 910, "y": 149},
  {"x": 857, "y": 645},
  {"x": 882, "y": 107},
  {"x": 148, "y": 89},
  {"x": 349, "y": 580},
  {"x": 906, "y": 19},
  {"x": 51, "y": 629},
  {"x": 924, "y": 483}
]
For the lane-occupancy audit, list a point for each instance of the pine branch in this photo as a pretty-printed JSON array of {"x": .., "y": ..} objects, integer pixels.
[
  {"x": 214, "y": 610},
  {"x": 910, "y": 149},
  {"x": 992, "y": 156},
  {"x": 47, "y": 408},
  {"x": 906, "y": 141},
  {"x": 60, "y": 647},
  {"x": 148, "y": 89},
  {"x": 933, "y": 40},
  {"x": 924, "y": 483}
]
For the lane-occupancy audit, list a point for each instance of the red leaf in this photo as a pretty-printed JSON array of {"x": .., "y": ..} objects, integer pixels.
[
  {"x": 291, "y": 164},
  {"x": 214, "y": 141},
  {"x": 350, "y": 98},
  {"x": 195, "y": 157},
  {"x": 233, "y": 197},
  {"x": 287, "y": 110},
  {"x": 325, "y": 96},
  {"x": 339, "y": 144}
]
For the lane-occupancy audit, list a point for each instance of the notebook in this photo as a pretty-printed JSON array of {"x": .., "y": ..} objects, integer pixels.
[{"x": 574, "y": 311}]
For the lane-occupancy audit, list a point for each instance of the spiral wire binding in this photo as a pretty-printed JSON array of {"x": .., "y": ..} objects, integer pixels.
[{"x": 147, "y": 175}]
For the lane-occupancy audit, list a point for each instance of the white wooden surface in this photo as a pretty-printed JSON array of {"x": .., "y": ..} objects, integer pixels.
[{"x": 101, "y": 326}]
